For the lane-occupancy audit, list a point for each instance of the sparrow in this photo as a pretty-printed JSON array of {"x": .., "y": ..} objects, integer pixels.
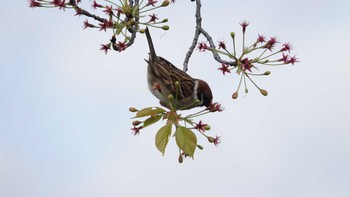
[{"x": 162, "y": 77}]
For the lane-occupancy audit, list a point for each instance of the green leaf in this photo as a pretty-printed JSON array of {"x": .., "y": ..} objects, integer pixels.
[
  {"x": 151, "y": 120},
  {"x": 186, "y": 140},
  {"x": 189, "y": 121},
  {"x": 136, "y": 11},
  {"x": 162, "y": 137},
  {"x": 149, "y": 111},
  {"x": 119, "y": 27}
]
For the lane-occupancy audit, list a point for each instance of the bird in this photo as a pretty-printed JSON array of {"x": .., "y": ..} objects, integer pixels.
[{"x": 162, "y": 77}]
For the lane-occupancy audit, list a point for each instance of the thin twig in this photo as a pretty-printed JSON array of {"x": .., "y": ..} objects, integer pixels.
[
  {"x": 133, "y": 35},
  {"x": 199, "y": 30},
  {"x": 100, "y": 19},
  {"x": 86, "y": 13}
]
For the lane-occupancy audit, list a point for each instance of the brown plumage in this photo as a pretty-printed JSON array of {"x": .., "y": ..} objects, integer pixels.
[{"x": 163, "y": 74}]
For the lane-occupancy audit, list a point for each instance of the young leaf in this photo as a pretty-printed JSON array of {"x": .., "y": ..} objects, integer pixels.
[
  {"x": 149, "y": 111},
  {"x": 186, "y": 140},
  {"x": 119, "y": 27},
  {"x": 151, "y": 120},
  {"x": 162, "y": 137}
]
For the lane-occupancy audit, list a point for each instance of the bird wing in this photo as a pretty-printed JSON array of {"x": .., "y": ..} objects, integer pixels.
[{"x": 169, "y": 73}]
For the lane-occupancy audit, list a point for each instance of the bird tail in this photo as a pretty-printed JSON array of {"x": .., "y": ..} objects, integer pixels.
[{"x": 150, "y": 43}]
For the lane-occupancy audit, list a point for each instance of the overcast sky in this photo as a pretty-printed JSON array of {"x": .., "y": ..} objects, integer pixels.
[{"x": 65, "y": 124}]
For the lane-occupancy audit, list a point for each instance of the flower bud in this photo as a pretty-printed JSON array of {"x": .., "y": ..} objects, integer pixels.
[
  {"x": 263, "y": 92},
  {"x": 165, "y": 20},
  {"x": 170, "y": 97},
  {"x": 165, "y": 3},
  {"x": 200, "y": 147},
  {"x": 131, "y": 22},
  {"x": 177, "y": 84},
  {"x": 165, "y": 27},
  {"x": 246, "y": 91},
  {"x": 180, "y": 159},
  {"x": 136, "y": 122},
  {"x": 207, "y": 127},
  {"x": 267, "y": 73},
  {"x": 211, "y": 139},
  {"x": 142, "y": 31},
  {"x": 133, "y": 109},
  {"x": 233, "y": 35},
  {"x": 235, "y": 95}
]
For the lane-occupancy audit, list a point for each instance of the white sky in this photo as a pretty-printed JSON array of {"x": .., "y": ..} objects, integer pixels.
[{"x": 65, "y": 125}]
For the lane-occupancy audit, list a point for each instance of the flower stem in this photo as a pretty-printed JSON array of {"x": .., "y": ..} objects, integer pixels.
[
  {"x": 253, "y": 74},
  {"x": 240, "y": 81},
  {"x": 193, "y": 115},
  {"x": 221, "y": 52},
  {"x": 113, "y": 2},
  {"x": 281, "y": 64},
  {"x": 245, "y": 84},
  {"x": 262, "y": 54},
  {"x": 197, "y": 114},
  {"x": 243, "y": 43},
  {"x": 234, "y": 47},
  {"x": 252, "y": 81},
  {"x": 148, "y": 9},
  {"x": 270, "y": 55}
]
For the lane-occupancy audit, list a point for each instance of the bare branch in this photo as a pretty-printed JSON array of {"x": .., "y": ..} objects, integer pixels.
[
  {"x": 134, "y": 30},
  {"x": 133, "y": 35},
  {"x": 199, "y": 30},
  {"x": 84, "y": 12}
]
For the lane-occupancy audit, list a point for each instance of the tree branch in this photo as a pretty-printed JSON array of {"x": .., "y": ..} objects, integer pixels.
[
  {"x": 199, "y": 30},
  {"x": 133, "y": 35},
  {"x": 81, "y": 11}
]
